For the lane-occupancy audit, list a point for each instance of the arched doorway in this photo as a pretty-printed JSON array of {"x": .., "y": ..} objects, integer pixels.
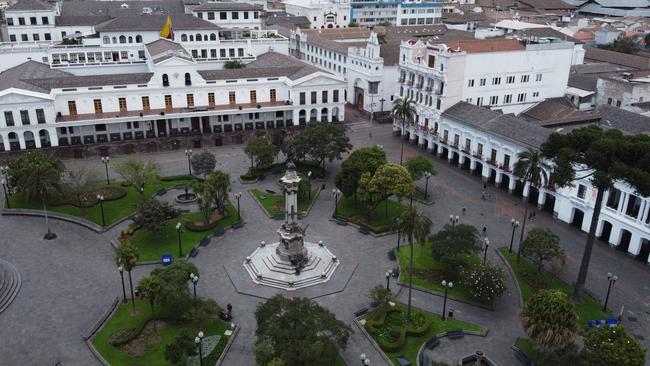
[
  {"x": 323, "y": 115},
  {"x": 30, "y": 143},
  {"x": 577, "y": 217},
  {"x": 478, "y": 169},
  {"x": 313, "y": 115},
  {"x": 493, "y": 176},
  {"x": 505, "y": 182},
  {"x": 606, "y": 232},
  {"x": 549, "y": 203},
  {"x": 624, "y": 243},
  {"x": 533, "y": 194},
  {"x": 330, "y": 26},
  {"x": 454, "y": 158},
  {"x": 335, "y": 114},
  {"x": 14, "y": 144},
  {"x": 359, "y": 99},
  {"x": 644, "y": 252},
  {"x": 302, "y": 116},
  {"x": 44, "y": 136}
]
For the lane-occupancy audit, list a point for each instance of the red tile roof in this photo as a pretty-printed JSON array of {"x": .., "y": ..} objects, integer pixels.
[{"x": 486, "y": 45}]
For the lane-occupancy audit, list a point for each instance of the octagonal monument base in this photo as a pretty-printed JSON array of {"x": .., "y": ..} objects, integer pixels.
[{"x": 266, "y": 267}]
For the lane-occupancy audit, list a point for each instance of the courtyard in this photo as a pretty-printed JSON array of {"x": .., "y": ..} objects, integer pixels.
[{"x": 69, "y": 282}]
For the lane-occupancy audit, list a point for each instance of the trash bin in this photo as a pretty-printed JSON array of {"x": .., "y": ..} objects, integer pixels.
[{"x": 451, "y": 313}]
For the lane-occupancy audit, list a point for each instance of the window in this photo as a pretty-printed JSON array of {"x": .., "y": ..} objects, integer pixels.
[
  {"x": 538, "y": 77},
  {"x": 245, "y": 15},
  {"x": 335, "y": 97},
  {"x": 168, "y": 102},
  {"x": 145, "y": 103},
  {"x": 12, "y": 38},
  {"x": 122, "y": 103},
  {"x": 535, "y": 94},
  {"x": 302, "y": 98},
  {"x": 235, "y": 15},
  {"x": 521, "y": 97},
  {"x": 510, "y": 80},
  {"x": 614, "y": 198},
  {"x": 582, "y": 191},
  {"x": 525, "y": 78},
  {"x": 438, "y": 104},
  {"x": 232, "y": 99},
  {"x": 40, "y": 116},
  {"x": 32, "y": 20},
  {"x": 21, "y": 21},
  {"x": 324, "y": 97},
  {"x": 165, "y": 80},
  {"x": 100, "y": 128},
  {"x": 98, "y": 105},
  {"x": 496, "y": 81},
  {"x": 479, "y": 150},
  {"x": 256, "y": 14},
  {"x": 188, "y": 79},
  {"x": 190, "y": 100},
  {"x": 633, "y": 206},
  {"x": 183, "y": 37},
  {"x": 211, "y": 102},
  {"x": 470, "y": 83},
  {"x": 253, "y": 95},
  {"x": 122, "y": 39},
  {"x": 223, "y": 16},
  {"x": 10, "y": 21},
  {"x": 272, "y": 93},
  {"x": 314, "y": 97},
  {"x": 494, "y": 100},
  {"x": 506, "y": 161},
  {"x": 609, "y": 101},
  {"x": 482, "y": 82},
  {"x": 36, "y": 37},
  {"x": 210, "y": 15},
  {"x": 507, "y": 98},
  {"x": 24, "y": 117},
  {"x": 24, "y": 38},
  {"x": 199, "y": 15},
  {"x": 9, "y": 118},
  {"x": 72, "y": 107},
  {"x": 138, "y": 39},
  {"x": 240, "y": 52},
  {"x": 479, "y": 101},
  {"x": 618, "y": 103}
]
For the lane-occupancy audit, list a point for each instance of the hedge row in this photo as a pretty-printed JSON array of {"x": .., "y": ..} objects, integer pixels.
[
  {"x": 377, "y": 319},
  {"x": 124, "y": 336}
]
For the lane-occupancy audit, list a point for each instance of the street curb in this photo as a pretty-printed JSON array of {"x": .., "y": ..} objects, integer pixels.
[
  {"x": 350, "y": 223},
  {"x": 228, "y": 345},
  {"x": 97, "y": 327},
  {"x": 512, "y": 274},
  {"x": 53, "y": 215},
  {"x": 372, "y": 341}
]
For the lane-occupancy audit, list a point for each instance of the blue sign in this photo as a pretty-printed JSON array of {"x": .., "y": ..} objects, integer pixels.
[{"x": 166, "y": 259}]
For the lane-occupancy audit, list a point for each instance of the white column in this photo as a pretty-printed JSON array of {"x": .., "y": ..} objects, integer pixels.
[
  {"x": 486, "y": 172},
  {"x": 541, "y": 198},
  {"x": 329, "y": 115},
  {"x": 295, "y": 117},
  {"x": 54, "y": 137},
  {"x": 498, "y": 178},
  {"x": 621, "y": 201},
  {"x": 450, "y": 155},
  {"x": 5, "y": 141},
  {"x": 461, "y": 160},
  {"x": 512, "y": 184},
  {"x": 625, "y": 203},
  {"x": 37, "y": 139},
  {"x": 635, "y": 244},
  {"x": 21, "y": 140},
  {"x": 472, "y": 164},
  {"x": 526, "y": 190}
]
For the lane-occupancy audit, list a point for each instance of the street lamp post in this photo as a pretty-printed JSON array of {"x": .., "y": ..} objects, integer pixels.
[
  {"x": 100, "y": 198},
  {"x": 514, "y": 224},
  {"x": 447, "y": 286},
  {"x": 105, "y": 161},
  {"x": 427, "y": 175},
  {"x": 142, "y": 191},
  {"x": 388, "y": 274},
  {"x": 309, "y": 179},
  {"x": 121, "y": 269},
  {"x": 199, "y": 341},
  {"x": 4, "y": 188},
  {"x": 612, "y": 280},
  {"x": 335, "y": 193},
  {"x": 365, "y": 361},
  {"x": 179, "y": 229},
  {"x": 195, "y": 280},
  {"x": 487, "y": 244},
  {"x": 453, "y": 220},
  {"x": 399, "y": 231},
  {"x": 188, "y": 153},
  {"x": 238, "y": 196}
]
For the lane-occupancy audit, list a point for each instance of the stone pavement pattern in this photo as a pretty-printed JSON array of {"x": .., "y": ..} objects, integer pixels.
[{"x": 69, "y": 282}]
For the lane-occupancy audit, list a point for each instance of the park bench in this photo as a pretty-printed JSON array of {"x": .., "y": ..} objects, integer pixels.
[
  {"x": 341, "y": 221},
  {"x": 180, "y": 186},
  {"x": 424, "y": 359},
  {"x": 364, "y": 230},
  {"x": 269, "y": 191},
  {"x": 238, "y": 225},
  {"x": 194, "y": 252},
  {"x": 360, "y": 312},
  {"x": 403, "y": 361},
  {"x": 522, "y": 357},
  {"x": 219, "y": 232},
  {"x": 455, "y": 333},
  {"x": 204, "y": 242},
  {"x": 430, "y": 344}
]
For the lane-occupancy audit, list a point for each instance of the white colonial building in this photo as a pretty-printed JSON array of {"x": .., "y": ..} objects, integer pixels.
[
  {"x": 398, "y": 13},
  {"x": 321, "y": 13},
  {"x": 172, "y": 101},
  {"x": 486, "y": 143}
]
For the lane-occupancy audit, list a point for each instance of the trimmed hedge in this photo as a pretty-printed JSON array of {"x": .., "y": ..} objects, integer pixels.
[
  {"x": 124, "y": 336},
  {"x": 378, "y": 229},
  {"x": 212, "y": 358},
  {"x": 396, "y": 345},
  {"x": 179, "y": 177},
  {"x": 377, "y": 319},
  {"x": 109, "y": 193},
  {"x": 191, "y": 226}
]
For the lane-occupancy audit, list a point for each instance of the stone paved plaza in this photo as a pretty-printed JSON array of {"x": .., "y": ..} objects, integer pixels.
[{"x": 67, "y": 283}]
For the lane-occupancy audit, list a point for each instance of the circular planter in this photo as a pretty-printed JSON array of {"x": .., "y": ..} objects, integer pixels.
[{"x": 186, "y": 198}]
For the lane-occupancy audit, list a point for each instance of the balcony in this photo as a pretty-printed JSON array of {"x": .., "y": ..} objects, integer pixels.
[
  {"x": 492, "y": 162},
  {"x": 477, "y": 155},
  {"x": 410, "y": 82},
  {"x": 443, "y": 141},
  {"x": 163, "y": 113},
  {"x": 402, "y": 80},
  {"x": 505, "y": 168},
  {"x": 419, "y": 85},
  {"x": 465, "y": 150},
  {"x": 429, "y": 88}
]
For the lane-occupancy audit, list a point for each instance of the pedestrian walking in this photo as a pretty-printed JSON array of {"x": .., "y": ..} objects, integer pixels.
[
  {"x": 483, "y": 195},
  {"x": 484, "y": 231},
  {"x": 484, "y": 186},
  {"x": 464, "y": 210},
  {"x": 229, "y": 307},
  {"x": 533, "y": 216}
]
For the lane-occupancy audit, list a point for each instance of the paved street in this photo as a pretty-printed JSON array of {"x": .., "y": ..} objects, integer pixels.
[{"x": 69, "y": 282}]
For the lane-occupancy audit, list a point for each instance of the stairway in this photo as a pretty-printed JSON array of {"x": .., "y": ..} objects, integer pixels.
[{"x": 10, "y": 282}]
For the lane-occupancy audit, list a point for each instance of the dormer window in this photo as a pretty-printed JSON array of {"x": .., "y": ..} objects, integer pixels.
[
  {"x": 165, "y": 80},
  {"x": 188, "y": 79}
]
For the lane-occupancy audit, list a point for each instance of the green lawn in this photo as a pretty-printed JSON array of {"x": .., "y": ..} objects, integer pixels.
[
  {"x": 113, "y": 210},
  {"x": 274, "y": 203},
  {"x": 428, "y": 271},
  {"x": 376, "y": 220},
  {"x": 413, "y": 344},
  {"x": 527, "y": 346},
  {"x": 531, "y": 281},
  {"x": 153, "y": 245},
  {"x": 122, "y": 319},
  {"x": 420, "y": 195}
]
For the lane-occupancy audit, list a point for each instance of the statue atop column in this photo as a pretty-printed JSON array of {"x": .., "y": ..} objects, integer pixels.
[{"x": 292, "y": 247}]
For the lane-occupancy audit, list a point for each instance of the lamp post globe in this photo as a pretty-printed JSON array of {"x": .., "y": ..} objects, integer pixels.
[
  {"x": 179, "y": 229},
  {"x": 100, "y": 199},
  {"x": 447, "y": 286}
]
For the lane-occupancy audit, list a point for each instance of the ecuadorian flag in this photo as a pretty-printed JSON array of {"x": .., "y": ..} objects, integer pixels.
[{"x": 166, "y": 31}]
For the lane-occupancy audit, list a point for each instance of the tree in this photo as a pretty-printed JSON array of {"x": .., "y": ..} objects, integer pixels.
[
  {"x": 485, "y": 281},
  {"x": 234, "y": 64},
  {"x": 150, "y": 289},
  {"x": 531, "y": 168},
  {"x": 389, "y": 179},
  {"x": 277, "y": 140},
  {"x": 203, "y": 163},
  {"x": 36, "y": 174},
  {"x": 173, "y": 354},
  {"x": 541, "y": 245},
  {"x": 323, "y": 141},
  {"x": 418, "y": 166},
  {"x": 183, "y": 346},
  {"x": 404, "y": 111},
  {"x": 623, "y": 45},
  {"x": 603, "y": 157},
  {"x": 453, "y": 242},
  {"x": 174, "y": 282},
  {"x": 298, "y": 332},
  {"x": 413, "y": 225},
  {"x": 260, "y": 151},
  {"x": 80, "y": 183},
  {"x": 363, "y": 160},
  {"x": 381, "y": 296},
  {"x": 612, "y": 346},
  {"x": 203, "y": 311},
  {"x": 153, "y": 215},
  {"x": 213, "y": 191},
  {"x": 550, "y": 319},
  {"x": 136, "y": 172},
  {"x": 127, "y": 256}
]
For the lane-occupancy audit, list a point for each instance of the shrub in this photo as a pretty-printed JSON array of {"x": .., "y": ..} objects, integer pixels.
[
  {"x": 172, "y": 353},
  {"x": 192, "y": 226},
  {"x": 172, "y": 178},
  {"x": 396, "y": 345},
  {"x": 124, "y": 336},
  {"x": 485, "y": 281},
  {"x": 212, "y": 358},
  {"x": 380, "y": 295}
]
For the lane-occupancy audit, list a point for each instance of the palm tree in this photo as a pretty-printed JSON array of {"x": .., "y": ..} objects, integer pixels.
[
  {"x": 150, "y": 288},
  {"x": 127, "y": 256},
  {"x": 404, "y": 110},
  {"x": 413, "y": 225},
  {"x": 530, "y": 167},
  {"x": 550, "y": 319}
]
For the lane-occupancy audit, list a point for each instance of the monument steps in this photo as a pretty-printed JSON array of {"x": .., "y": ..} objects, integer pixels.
[{"x": 10, "y": 283}]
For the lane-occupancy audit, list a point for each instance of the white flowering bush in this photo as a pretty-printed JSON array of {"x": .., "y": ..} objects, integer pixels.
[{"x": 484, "y": 281}]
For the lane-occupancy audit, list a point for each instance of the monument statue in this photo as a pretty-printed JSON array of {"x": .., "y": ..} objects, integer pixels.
[{"x": 292, "y": 236}]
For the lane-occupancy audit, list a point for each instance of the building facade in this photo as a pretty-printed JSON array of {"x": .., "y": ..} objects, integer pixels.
[
  {"x": 397, "y": 13},
  {"x": 321, "y": 13}
]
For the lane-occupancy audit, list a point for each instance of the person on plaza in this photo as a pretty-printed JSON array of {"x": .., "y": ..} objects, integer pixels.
[
  {"x": 484, "y": 231},
  {"x": 464, "y": 210}
]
